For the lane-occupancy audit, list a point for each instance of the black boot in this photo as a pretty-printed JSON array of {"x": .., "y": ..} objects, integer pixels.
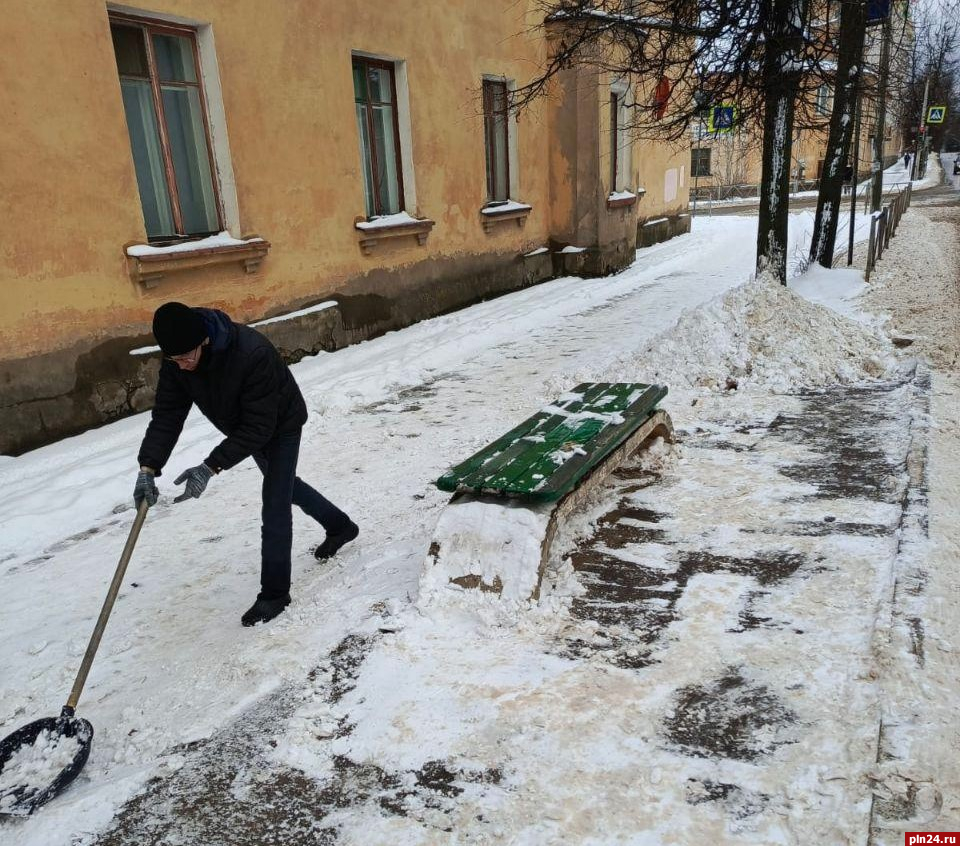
[
  {"x": 333, "y": 542},
  {"x": 264, "y": 610}
]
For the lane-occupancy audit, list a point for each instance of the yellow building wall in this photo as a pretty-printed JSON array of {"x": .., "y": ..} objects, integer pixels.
[
  {"x": 661, "y": 164},
  {"x": 279, "y": 85},
  {"x": 70, "y": 201},
  {"x": 809, "y": 147}
]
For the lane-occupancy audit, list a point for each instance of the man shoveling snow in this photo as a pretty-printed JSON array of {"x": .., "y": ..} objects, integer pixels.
[{"x": 238, "y": 380}]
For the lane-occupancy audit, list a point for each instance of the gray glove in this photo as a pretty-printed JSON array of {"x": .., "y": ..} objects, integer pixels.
[
  {"x": 146, "y": 488},
  {"x": 196, "y": 479}
]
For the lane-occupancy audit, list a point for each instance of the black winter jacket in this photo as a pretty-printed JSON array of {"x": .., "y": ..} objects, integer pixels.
[{"x": 241, "y": 385}]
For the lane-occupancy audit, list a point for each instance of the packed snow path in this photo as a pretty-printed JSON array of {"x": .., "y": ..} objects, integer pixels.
[{"x": 387, "y": 418}]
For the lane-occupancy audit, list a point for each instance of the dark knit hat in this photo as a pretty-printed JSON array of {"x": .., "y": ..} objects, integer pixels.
[{"x": 178, "y": 328}]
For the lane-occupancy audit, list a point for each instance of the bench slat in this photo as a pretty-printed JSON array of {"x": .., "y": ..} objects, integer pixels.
[
  {"x": 556, "y": 432},
  {"x": 500, "y": 470},
  {"x": 601, "y": 440},
  {"x": 524, "y": 462}
]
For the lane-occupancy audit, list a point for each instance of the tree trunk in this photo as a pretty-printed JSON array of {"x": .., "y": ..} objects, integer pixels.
[
  {"x": 782, "y": 82},
  {"x": 853, "y": 22},
  {"x": 879, "y": 129}
]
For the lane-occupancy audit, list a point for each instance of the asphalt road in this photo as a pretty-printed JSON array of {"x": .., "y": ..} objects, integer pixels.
[{"x": 751, "y": 209}]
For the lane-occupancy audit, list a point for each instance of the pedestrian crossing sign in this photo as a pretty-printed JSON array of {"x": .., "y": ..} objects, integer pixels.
[
  {"x": 722, "y": 119},
  {"x": 936, "y": 114}
]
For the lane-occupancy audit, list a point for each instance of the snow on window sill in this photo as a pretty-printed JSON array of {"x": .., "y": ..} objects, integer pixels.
[
  {"x": 391, "y": 226},
  {"x": 150, "y": 264},
  {"x": 224, "y": 239},
  {"x": 624, "y": 199},
  {"x": 494, "y": 213}
]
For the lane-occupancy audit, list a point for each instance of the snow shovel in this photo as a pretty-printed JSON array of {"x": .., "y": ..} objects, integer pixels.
[{"x": 42, "y": 758}]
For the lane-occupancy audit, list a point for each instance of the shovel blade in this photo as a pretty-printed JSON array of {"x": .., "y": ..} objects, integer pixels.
[{"x": 39, "y": 760}]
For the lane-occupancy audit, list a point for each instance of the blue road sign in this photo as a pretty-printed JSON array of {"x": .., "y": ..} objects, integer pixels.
[{"x": 722, "y": 118}]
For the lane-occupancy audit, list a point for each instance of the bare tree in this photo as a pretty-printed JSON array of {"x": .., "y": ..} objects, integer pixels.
[
  {"x": 734, "y": 149},
  {"x": 753, "y": 54},
  {"x": 934, "y": 69}
]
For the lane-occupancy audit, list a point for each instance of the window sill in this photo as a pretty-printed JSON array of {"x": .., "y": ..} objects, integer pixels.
[
  {"x": 624, "y": 199},
  {"x": 150, "y": 269},
  {"x": 370, "y": 236},
  {"x": 492, "y": 215}
]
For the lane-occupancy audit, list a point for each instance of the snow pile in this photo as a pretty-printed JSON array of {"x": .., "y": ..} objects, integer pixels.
[
  {"x": 761, "y": 335},
  {"x": 493, "y": 546},
  {"x": 35, "y": 767},
  {"x": 657, "y": 455}
]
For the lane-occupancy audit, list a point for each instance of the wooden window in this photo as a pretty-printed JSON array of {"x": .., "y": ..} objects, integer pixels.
[
  {"x": 163, "y": 100},
  {"x": 700, "y": 161},
  {"x": 375, "y": 95},
  {"x": 496, "y": 140}
]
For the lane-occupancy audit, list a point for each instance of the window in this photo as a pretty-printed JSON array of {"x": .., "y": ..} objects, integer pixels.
[
  {"x": 823, "y": 100},
  {"x": 700, "y": 161},
  {"x": 701, "y": 129},
  {"x": 496, "y": 139},
  {"x": 159, "y": 70},
  {"x": 375, "y": 95},
  {"x": 619, "y": 141}
]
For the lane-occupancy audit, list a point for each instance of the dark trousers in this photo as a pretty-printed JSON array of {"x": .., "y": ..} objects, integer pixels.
[{"x": 282, "y": 488}]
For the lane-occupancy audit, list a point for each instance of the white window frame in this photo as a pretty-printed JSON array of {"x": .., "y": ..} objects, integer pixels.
[
  {"x": 822, "y": 103},
  {"x": 621, "y": 180}
]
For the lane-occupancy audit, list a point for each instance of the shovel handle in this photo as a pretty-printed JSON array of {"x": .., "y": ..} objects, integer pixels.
[{"x": 94, "y": 644}]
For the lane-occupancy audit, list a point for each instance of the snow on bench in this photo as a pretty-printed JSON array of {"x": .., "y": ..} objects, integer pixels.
[{"x": 547, "y": 455}]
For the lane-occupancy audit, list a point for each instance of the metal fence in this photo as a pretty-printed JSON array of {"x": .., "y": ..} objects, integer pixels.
[
  {"x": 726, "y": 193},
  {"x": 883, "y": 226}
]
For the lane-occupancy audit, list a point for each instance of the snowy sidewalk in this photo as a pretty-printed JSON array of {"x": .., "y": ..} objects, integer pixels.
[
  {"x": 712, "y": 660},
  {"x": 712, "y": 678}
]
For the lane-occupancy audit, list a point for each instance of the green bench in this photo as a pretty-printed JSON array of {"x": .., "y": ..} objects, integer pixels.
[
  {"x": 509, "y": 499},
  {"x": 549, "y": 454}
]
